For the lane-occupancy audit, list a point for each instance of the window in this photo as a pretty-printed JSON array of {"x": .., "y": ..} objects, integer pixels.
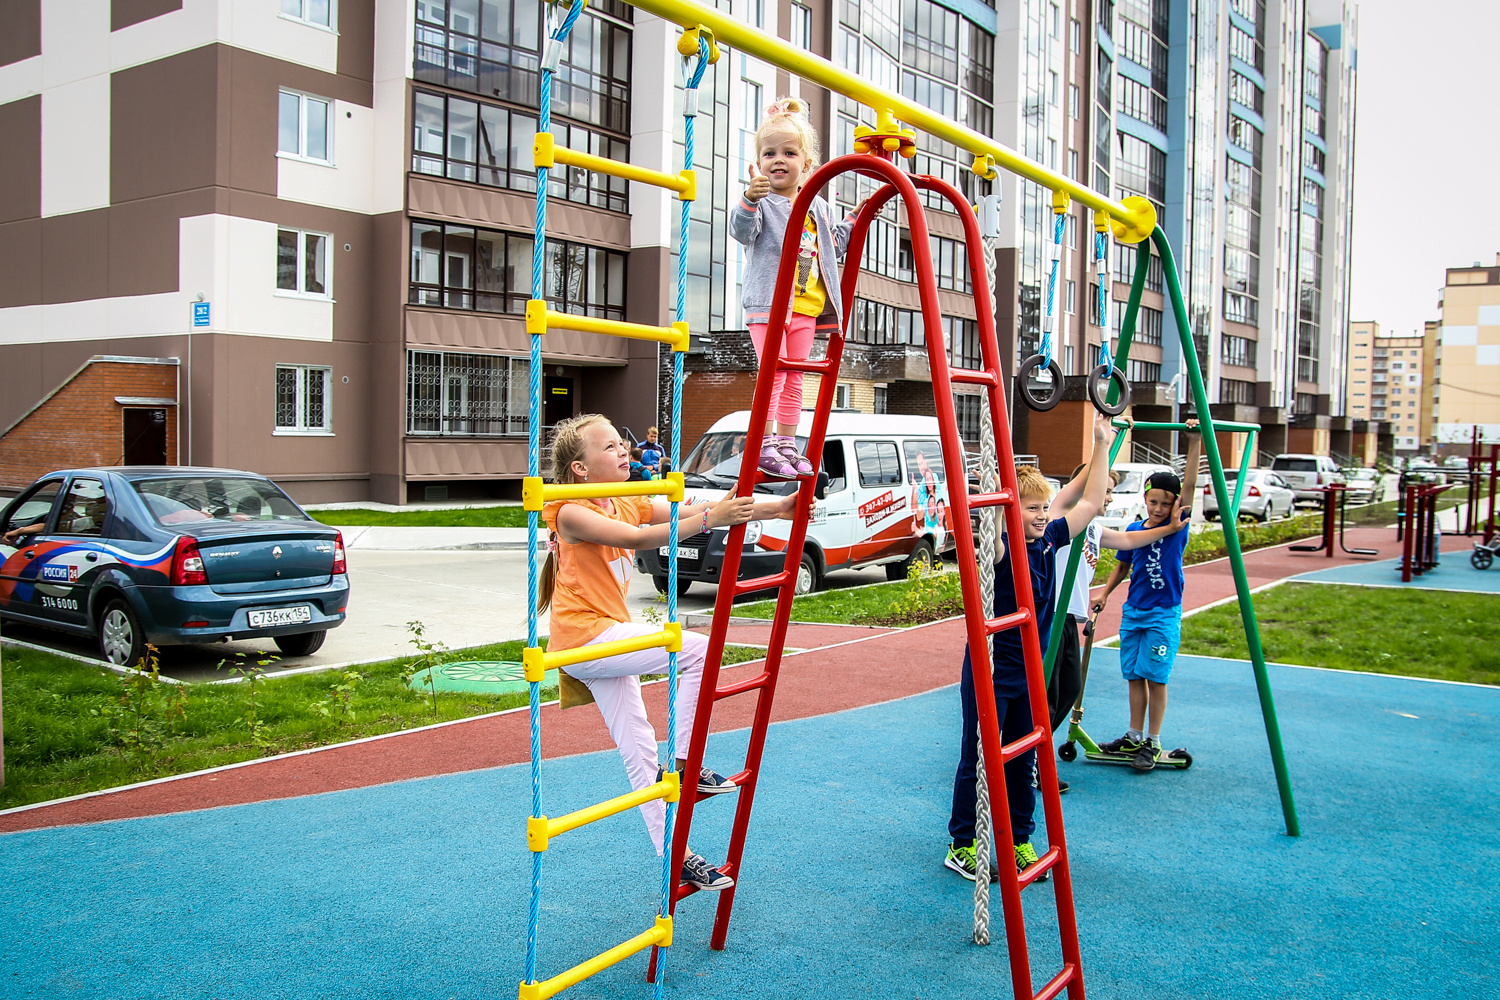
[
  {"x": 460, "y": 267},
  {"x": 84, "y": 509},
  {"x": 1237, "y": 351},
  {"x": 1147, "y": 324},
  {"x": 882, "y": 402},
  {"x": 1075, "y": 34},
  {"x": 1052, "y": 153},
  {"x": 966, "y": 410},
  {"x": 302, "y": 262},
  {"x": 483, "y": 395},
  {"x": 878, "y": 463},
  {"x": 801, "y": 27},
  {"x": 1073, "y": 164},
  {"x": 1144, "y": 371},
  {"x": 1073, "y": 100},
  {"x": 1072, "y": 296},
  {"x": 303, "y": 127},
  {"x": 1142, "y": 103},
  {"x": 320, "y": 12},
  {"x": 1236, "y": 391},
  {"x": 962, "y": 337},
  {"x": 1056, "y": 21},
  {"x": 302, "y": 399},
  {"x": 1052, "y": 99},
  {"x": 841, "y": 396}
]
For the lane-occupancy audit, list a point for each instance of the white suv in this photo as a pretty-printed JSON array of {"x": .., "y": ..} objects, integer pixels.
[{"x": 1307, "y": 474}]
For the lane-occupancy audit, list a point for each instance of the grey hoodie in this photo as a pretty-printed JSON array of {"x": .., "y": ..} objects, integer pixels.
[{"x": 761, "y": 226}]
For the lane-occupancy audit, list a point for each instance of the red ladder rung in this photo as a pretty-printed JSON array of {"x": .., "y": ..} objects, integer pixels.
[
  {"x": 1013, "y": 620},
  {"x": 973, "y": 376},
  {"x": 1010, "y": 751},
  {"x": 999, "y": 498},
  {"x": 1043, "y": 864},
  {"x": 815, "y": 367},
  {"x": 773, "y": 582},
  {"x": 1058, "y": 984},
  {"x": 740, "y": 687}
]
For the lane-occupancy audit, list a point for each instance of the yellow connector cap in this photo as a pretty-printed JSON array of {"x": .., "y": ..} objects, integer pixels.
[
  {"x": 530, "y": 991},
  {"x": 680, "y": 344},
  {"x": 542, "y": 154},
  {"x": 531, "y": 492},
  {"x": 674, "y": 630},
  {"x": 673, "y": 778},
  {"x": 1060, "y": 202},
  {"x": 536, "y": 315},
  {"x": 664, "y": 927},
  {"x": 689, "y": 190},
  {"x": 533, "y": 661},
  {"x": 536, "y": 833},
  {"x": 678, "y": 486},
  {"x": 1140, "y": 225}
]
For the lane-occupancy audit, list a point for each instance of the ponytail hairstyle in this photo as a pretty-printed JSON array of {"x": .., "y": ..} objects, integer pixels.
[
  {"x": 789, "y": 115},
  {"x": 567, "y": 448}
]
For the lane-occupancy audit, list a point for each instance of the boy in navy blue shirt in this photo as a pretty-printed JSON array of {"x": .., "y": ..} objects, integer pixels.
[
  {"x": 1151, "y": 621},
  {"x": 1043, "y": 536}
]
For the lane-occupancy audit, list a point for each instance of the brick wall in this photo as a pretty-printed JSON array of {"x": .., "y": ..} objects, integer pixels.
[{"x": 81, "y": 424}]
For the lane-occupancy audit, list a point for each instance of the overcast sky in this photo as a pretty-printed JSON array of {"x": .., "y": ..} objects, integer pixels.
[{"x": 1427, "y": 165}]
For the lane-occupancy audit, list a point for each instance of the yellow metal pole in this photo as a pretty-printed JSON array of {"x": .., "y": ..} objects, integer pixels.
[
  {"x": 1131, "y": 223},
  {"x": 660, "y": 934}
]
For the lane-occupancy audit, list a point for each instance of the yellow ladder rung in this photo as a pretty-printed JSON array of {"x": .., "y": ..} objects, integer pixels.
[
  {"x": 540, "y": 319},
  {"x": 546, "y": 153},
  {"x": 538, "y": 661},
  {"x": 660, "y": 935},
  {"x": 535, "y": 492},
  {"x": 540, "y": 829}
]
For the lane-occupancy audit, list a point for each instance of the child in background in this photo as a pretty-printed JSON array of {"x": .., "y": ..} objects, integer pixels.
[
  {"x": 638, "y": 470},
  {"x": 787, "y": 151},
  {"x": 1151, "y": 621},
  {"x": 651, "y": 451},
  {"x": 1043, "y": 536},
  {"x": 585, "y": 582},
  {"x": 1067, "y": 670}
]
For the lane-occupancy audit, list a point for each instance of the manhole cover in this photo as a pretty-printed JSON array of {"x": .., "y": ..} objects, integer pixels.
[{"x": 479, "y": 677}]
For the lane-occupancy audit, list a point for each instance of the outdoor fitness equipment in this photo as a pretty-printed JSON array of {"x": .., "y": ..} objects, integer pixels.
[
  {"x": 698, "y": 49},
  {"x": 1335, "y": 500},
  {"x": 1043, "y": 360},
  {"x": 1106, "y": 375},
  {"x": 1068, "y": 751}
]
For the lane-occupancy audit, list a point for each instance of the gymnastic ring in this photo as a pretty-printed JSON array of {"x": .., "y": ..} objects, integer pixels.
[
  {"x": 1023, "y": 379},
  {"x": 1098, "y": 386}
]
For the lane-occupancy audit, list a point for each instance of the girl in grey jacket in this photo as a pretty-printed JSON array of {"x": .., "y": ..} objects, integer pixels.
[{"x": 787, "y": 152}]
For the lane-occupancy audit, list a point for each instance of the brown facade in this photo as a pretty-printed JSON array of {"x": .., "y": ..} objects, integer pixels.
[{"x": 84, "y": 422}]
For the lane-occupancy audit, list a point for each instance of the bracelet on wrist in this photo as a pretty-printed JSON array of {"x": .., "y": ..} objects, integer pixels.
[{"x": 704, "y": 530}]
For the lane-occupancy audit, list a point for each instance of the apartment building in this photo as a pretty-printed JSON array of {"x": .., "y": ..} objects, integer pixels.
[
  {"x": 1390, "y": 382},
  {"x": 1467, "y": 377},
  {"x": 317, "y": 216}
]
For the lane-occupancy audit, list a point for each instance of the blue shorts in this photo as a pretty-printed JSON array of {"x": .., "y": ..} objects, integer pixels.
[{"x": 1148, "y": 642}]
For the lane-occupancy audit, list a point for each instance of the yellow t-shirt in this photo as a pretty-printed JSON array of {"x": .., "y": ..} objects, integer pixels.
[{"x": 811, "y": 294}]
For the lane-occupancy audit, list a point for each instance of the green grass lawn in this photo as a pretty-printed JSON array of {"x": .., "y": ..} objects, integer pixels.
[
  {"x": 60, "y": 740},
  {"x": 1417, "y": 633},
  {"x": 511, "y": 516}
]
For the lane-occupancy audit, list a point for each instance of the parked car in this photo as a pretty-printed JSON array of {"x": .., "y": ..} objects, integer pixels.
[
  {"x": 1305, "y": 474},
  {"x": 1129, "y": 503},
  {"x": 885, "y": 504},
  {"x": 1365, "y": 485},
  {"x": 1266, "y": 495},
  {"x": 167, "y": 555}
]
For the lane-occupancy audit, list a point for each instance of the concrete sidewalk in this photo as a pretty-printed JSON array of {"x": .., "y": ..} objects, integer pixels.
[{"x": 388, "y": 538}]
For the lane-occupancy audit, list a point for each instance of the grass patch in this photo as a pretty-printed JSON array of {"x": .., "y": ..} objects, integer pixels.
[
  {"x": 1416, "y": 633},
  {"x": 71, "y": 727},
  {"x": 510, "y": 516}
]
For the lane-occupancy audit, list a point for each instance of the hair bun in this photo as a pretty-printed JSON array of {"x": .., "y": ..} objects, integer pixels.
[{"x": 786, "y": 106}]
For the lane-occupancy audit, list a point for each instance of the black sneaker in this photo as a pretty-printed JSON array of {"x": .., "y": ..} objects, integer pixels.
[
  {"x": 697, "y": 873},
  {"x": 1144, "y": 758},
  {"x": 1124, "y": 745},
  {"x": 709, "y": 782},
  {"x": 1062, "y": 786}
]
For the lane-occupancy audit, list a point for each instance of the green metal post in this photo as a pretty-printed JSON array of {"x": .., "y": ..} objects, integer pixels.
[
  {"x": 1239, "y": 486},
  {"x": 1122, "y": 356},
  {"x": 1231, "y": 537}
]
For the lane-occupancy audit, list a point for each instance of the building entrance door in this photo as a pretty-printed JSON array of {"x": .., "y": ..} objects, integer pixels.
[
  {"x": 559, "y": 398},
  {"x": 145, "y": 437}
]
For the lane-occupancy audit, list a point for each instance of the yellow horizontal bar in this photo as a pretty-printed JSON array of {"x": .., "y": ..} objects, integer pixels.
[
  {"x": 1132, "y": 219},
  {"x": 669, "y": 638},
  {"x": 660, "y": 935},
  {"x": 540, "y": 830},
  {"x": 540, "y": 319},
  {"x": 683, "y": 182}
]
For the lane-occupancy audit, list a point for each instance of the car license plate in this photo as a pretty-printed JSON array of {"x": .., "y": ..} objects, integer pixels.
[
  {"x": 273, "y": 617},
  {"x": 682, "y": 553}
]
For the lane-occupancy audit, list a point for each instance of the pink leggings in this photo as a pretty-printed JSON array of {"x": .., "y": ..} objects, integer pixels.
[{"x": 786, "y": 392}]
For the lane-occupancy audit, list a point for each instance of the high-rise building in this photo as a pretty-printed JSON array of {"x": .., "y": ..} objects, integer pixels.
[{"x": 1467, "y": 381}]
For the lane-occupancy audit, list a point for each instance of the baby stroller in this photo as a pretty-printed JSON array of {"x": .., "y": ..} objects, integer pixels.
[{"x": 1484, "y": 553}]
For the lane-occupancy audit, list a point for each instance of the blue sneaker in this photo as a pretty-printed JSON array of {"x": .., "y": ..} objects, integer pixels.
[
  {"x": 709, "y": 782},
  {"x": 696, "y": 872}
]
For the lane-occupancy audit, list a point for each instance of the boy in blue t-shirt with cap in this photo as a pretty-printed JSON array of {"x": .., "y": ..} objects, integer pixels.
[{"x": 1151, "y": 621}]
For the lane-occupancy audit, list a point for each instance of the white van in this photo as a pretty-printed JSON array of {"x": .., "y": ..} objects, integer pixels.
[{"x": 886, "y": 502}]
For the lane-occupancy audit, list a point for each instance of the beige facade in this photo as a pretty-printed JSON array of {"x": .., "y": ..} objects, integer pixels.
[{"x": 1468, "y": 365}]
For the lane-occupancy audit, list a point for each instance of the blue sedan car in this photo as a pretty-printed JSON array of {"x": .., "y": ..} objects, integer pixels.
[{"x": 167, "y": 555}]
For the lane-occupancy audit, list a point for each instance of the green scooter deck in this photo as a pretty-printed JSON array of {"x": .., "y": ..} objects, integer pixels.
[{"x": 1178, "y": 758}]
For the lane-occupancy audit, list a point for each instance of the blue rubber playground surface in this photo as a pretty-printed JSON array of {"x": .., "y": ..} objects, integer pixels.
[
  {"x": 1453, "y": 573},
  {"x": 1187, "y": 886}
]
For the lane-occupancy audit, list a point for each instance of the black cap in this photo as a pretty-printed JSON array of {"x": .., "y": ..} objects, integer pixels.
[{"x": 1164, "y": 480}]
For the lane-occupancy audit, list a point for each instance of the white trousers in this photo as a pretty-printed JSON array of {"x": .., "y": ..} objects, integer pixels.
[{"x": 615, "y": 683}]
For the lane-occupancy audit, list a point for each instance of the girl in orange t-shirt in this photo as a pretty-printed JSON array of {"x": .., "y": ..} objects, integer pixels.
[{"x": 585, "y": 582}]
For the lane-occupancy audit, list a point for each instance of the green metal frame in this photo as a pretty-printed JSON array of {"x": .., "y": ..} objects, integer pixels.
[{"x": 1209, "y": 428}]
